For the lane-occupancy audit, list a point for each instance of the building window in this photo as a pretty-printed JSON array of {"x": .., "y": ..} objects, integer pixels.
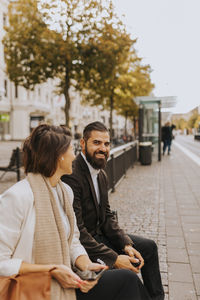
[
  {"x": 16, "y": 91},
  {"x": 4, "y": 19},
  {"x": 5, "y": 88}
]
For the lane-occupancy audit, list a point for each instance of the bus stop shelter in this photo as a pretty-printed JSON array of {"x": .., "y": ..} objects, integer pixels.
[{"x": 150, "y": 109}]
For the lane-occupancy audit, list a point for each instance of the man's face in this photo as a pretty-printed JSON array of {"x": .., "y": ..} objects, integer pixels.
[{"x": 97, "y": 148}]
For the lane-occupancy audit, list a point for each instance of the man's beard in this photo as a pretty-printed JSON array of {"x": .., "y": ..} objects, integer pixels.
[{"x": 96, "y": 163}]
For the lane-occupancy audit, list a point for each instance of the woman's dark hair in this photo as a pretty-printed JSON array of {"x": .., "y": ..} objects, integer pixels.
[
  {"x": 43, "y": 147},
  {"x": 95, "y": 126}
]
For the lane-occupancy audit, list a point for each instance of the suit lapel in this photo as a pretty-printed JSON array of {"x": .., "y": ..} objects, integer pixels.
[
  {"x": 103, "y": 193},
  {"x": 89, "y": 178}
]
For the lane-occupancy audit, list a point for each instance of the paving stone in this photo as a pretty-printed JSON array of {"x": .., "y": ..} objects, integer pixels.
[
  {"x": 192, "y": 237},
  {"x": 188, "y": 206},
  {"x": 191, "y": 227},
  {"x": 195, "y": 263},
  {"x": 174, "y": 231},
  {"x": 197, "y": 283},
  {"x": 193, "y": 248},
  {"x": 189, "y": 212},
  {"x": 163, "y": 266},
  {"x": 175, "y": 242},
  {"x": 181, "y": 291},
  {"x": 191, "y": 219},
  {"x": 172, "y": 222},
  {"x": 177, "y": 255},
  {"x": 180, "y": 272}
]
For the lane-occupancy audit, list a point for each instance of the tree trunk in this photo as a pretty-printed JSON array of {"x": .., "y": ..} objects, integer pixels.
[
  {"x": 67, "y": 96},
  {"x": 111, "y": 117},
  {"x": 135, "y": 127},
  {"x": 125, "y": 127},
  {"x": 67, "y": 107}
]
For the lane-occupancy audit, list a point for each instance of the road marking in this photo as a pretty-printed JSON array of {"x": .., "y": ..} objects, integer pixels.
[{"x": 191, "y": 155}]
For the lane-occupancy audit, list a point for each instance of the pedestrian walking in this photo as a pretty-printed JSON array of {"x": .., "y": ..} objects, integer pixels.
[{"x": 166, "y": 134}]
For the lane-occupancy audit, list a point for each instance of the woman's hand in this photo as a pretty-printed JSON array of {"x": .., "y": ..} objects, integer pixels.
[
  {"x": 84, "y": 263},
  {"x": 96, "y": 267},
  {"x": 87, "y": 285},
  {"x": 66, "y": 277}
]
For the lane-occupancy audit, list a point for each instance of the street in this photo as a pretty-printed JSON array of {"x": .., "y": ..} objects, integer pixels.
[{"x": 189, "y": 143}]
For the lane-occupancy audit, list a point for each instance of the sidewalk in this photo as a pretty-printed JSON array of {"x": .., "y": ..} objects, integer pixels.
[{"x": 162, "y": 202}]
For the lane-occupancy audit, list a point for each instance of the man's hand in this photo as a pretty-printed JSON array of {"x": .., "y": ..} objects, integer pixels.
[
  {"x": 132, "y": 252},
  {"x": 124, "y": 262}
]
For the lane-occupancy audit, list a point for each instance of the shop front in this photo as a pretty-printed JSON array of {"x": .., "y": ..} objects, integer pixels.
[{"x": 4, "y": 126}]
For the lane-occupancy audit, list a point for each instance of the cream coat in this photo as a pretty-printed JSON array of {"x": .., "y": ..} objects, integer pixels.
[{"x": 17, "y": 225}]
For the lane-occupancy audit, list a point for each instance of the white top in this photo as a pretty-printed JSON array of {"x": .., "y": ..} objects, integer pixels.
[
  {"x": 94, "y": 173},
  {"x": 62, "y": 213},
  {"x": 17, "y": 227}
]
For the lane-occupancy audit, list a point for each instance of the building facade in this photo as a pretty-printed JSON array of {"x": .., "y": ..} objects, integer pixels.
[{"x": 20, "y": 109}]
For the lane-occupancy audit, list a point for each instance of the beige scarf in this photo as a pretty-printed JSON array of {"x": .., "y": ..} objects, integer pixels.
[{"x": 50, "y": 242}]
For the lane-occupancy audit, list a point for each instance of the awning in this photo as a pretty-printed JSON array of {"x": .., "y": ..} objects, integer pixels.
[{"x": 166, "y": 102}]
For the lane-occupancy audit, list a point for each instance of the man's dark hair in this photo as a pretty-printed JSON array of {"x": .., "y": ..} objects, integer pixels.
[
  {"x": 97, "y": 126},
  {"x": 42, "y": 149}
]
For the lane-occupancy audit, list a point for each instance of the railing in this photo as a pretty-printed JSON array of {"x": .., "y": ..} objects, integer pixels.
[
  {"x": 14, "y": 165},
  {"x": 120, "y": 160}
]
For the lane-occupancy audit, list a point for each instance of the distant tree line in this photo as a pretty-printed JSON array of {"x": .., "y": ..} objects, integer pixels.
[
  {"x": 82, "y": 43},
  {"x": 193, "y": 122}
]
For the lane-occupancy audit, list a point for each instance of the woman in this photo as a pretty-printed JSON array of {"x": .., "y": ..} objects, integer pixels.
[{"x": 38, "y": 230}]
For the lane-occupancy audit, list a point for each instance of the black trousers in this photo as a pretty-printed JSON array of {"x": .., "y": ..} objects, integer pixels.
[
  {"x": 150, "y": 271},
  {"x": 116, "y": 285}
]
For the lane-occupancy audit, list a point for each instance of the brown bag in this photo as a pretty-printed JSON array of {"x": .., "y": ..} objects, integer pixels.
[{"x": 30, "y": 286}]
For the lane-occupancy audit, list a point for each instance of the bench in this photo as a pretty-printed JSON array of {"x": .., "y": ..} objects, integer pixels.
[{"x": 14, "y": 165}]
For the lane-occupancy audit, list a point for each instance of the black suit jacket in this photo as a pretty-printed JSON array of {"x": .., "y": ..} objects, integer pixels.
[{"x": 92, "y": 218}]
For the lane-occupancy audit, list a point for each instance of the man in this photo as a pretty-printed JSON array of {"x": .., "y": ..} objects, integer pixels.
[
  {"x": 166, "y": 137},
  {"x": 100, "y": 233}
]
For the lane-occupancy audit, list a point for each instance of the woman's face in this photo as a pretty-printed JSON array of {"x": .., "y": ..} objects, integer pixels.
[{"x": 66, "y": 159}]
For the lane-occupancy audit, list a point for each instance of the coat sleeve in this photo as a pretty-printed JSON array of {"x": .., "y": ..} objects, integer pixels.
[
  {"x": 11, "y": 220},
  {"x": 94, "y": 249},
  {"x": 110, "y": 226}
]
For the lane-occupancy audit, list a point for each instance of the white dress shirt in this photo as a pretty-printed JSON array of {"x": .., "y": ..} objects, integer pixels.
[{"x": 94, "y": 173}]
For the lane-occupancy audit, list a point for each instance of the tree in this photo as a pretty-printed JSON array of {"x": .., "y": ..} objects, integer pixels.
[
  {"x": 181, "y": 124},
  {"x": 43, "y": 40},
  {"x": 197, "y": 122},
  {"x": 135, "y": 82},
  {"x": 105, "y": 59},
  {"x": 192, "y": 120}
]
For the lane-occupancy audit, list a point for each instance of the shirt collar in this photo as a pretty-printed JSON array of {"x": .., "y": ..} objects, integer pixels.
[{"x": 93, "y": 171}]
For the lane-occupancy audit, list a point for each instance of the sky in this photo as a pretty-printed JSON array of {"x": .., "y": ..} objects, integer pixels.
[{"x": 168, "y": 33}]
